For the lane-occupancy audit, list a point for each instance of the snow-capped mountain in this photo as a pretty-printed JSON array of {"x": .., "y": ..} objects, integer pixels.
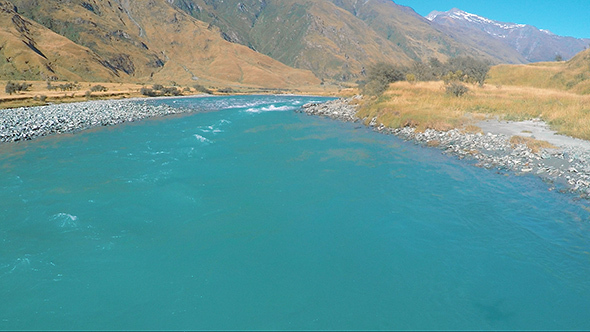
[{"x": 532, "y": 43}]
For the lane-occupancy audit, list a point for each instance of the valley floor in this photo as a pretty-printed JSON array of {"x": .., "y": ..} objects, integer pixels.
[{"x": 39, "y": 94}]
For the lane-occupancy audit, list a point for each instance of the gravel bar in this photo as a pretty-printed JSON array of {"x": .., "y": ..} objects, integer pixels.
[
  {"x": 566, "y": 168},
  {"x": 26, "y": 123}
]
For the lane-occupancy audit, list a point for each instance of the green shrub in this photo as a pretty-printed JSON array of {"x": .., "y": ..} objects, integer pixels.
[
  {"x": 226, "y": 90},
  {"x": 456, "y": 89},
  {"x": 380, "y": 75},
  {"x": 148, "y": 92},
  {"x": 98, "y": 88},
  {"x": 12, "y": 87},
  {"x": 202, "y": 89}
]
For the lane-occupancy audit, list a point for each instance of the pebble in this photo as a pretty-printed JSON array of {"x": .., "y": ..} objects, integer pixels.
[{"x": 25, "y": 123}]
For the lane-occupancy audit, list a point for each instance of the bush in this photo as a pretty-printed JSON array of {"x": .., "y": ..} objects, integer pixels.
[
  {"x": 98, "y": 88},
  {"x": 374, "y": 88},
  {"x": 148, "y": 92},
  {"x": 380, "y": 75},
  {"x": 226, "y": 90},
  {"x": 12, "y": 87},
  {"x": 202, "y": 89},
  {"x": 171, "y": 91},
  {"x": 456, "y": 89},
  {"x": 161, "y": 91},
  {"x": 474, "y": 70},
  {"x": 64, "y": 87}
]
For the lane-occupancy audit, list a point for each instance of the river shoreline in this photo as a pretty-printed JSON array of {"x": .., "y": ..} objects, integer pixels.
[
  {"x": 26, "y": 123},
  {"x": 565, "y": 168}
]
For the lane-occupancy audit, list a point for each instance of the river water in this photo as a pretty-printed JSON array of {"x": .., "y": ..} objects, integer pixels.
[{"x": 247, "y": 215}]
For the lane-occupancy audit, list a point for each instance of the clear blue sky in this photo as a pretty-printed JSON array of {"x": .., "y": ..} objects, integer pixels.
[{"x": 562, "y": 17}]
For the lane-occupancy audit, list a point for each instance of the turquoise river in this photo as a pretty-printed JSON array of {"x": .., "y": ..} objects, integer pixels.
[{"x": 248, "y": 215}]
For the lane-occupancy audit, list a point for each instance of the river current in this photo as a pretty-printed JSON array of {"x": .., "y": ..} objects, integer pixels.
[{"x": 247, "y": 215}]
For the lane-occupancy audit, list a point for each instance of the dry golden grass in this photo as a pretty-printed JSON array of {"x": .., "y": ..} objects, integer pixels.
[
  {"x": 38, "y": 89},
  {"x": 426, "y": 105},
  {"x": 534, "y": 144},
  {"x": 572, "y": 76}
]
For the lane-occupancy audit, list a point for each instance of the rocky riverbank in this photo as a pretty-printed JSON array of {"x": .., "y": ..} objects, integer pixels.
[
  {"x": 566, "y": 167},
  {"x": 26, "y": 123}
]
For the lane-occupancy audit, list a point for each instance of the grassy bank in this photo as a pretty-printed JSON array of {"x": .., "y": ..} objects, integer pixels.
[{"x": 427, "y": 105}]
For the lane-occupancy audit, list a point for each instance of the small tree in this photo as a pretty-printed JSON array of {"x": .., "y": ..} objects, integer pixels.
[
  {"x": 380, "y": 75},
  {"x": 10, "y": 88},
  {"x": 558, "y": 58}
]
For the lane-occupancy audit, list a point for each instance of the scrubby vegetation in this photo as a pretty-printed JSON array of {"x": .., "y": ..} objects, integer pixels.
[
  {"x": 453, "y": 72},
  {"x": 12, "y": 87},
  {"x": 159, "y": 90},
  {"x": 98, "y": 88},
  {"x": 226, "y": 90},
  {"x": 456, "y": 89},
  {"x": 202, "y": 89},
  {"x": 63, "y": 87}
]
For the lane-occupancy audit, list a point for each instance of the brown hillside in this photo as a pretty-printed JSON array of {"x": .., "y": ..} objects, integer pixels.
[
  {"x": 336, "y": 39},
  {"x": 315, "y": 35},
  {"x": 143, "y": 41},
  {"x": 31, "y": 51},
  {"x": 573, "y": 75}
]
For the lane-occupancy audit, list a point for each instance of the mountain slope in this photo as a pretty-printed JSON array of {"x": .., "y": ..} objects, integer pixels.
[
  {"x": 314, "y": 35},
  {"x": 31, "y": 51},
  {"x": 572, "y": 75},
  {"x": 152, "y": 40},
  {"x": 416, "y": 36},
  {"x": 337, "y": 39},
  {"x": 531, "y": 43}
]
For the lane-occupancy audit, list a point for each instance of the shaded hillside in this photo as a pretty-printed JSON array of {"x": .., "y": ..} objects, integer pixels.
[
  {"x": 151, "y": 40},
  {"x": 573, "y": 75},
  {"x": 31, "y": 51},
  {"x": 531, "y": 43},
  {"x": 315, "y": 35},
  {"x": 336, "y": 38}
]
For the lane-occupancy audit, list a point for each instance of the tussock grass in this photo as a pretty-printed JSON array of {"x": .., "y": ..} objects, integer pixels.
[
  {"x": 426, "y": 105},
  {"x": 534, "y": 144}
]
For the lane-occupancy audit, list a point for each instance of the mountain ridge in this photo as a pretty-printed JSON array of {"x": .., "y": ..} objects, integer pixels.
[
  {"x": 533, "y": 44},
  {"x": 264, "y": 43}
]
